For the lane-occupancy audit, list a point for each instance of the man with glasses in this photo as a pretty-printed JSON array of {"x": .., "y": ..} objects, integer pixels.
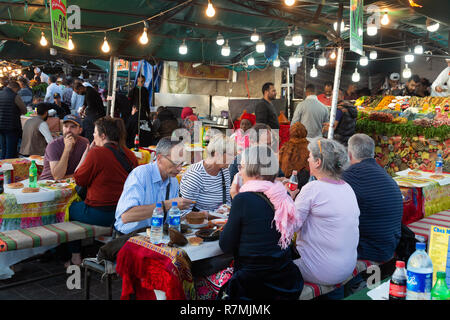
[{"x": 150, "y": 184}]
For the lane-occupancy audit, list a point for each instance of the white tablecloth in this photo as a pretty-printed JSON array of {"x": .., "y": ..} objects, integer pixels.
[
  {"x": 43, "y": 195},
  {"x": 424, "y": 175}
]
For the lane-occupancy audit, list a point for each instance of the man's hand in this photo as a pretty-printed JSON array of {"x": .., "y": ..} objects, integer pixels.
[
  {"x": 69, "y": 142},
  {"x": 183, "y": 203},
  {"x": 439, "y": 89},
  {"x": 134, "y": 110}
]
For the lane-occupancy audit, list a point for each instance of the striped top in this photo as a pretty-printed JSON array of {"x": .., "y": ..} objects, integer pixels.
[
  {"x": 381, "y": 205},
  {"x": 205, "y": 189}
]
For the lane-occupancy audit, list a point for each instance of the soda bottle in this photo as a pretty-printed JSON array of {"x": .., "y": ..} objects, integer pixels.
[
  {"x": 439, "y": 164},
  {"x": 419, "y": 274},
  {"x": 33, "y": 175},
  {"x": 440, "y": 290},
  {"x": 397, "y": 285},
  {"x": 136, "y": 143},
  {"x": 174, "y": 217},
  {"x": 293, "y": 182},
  {"x": 156, "y": 231}
]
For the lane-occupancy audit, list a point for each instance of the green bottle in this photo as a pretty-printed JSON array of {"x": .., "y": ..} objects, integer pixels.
[
  {"x": 440, "y": 290},
  {"x": 33, "y": 175}
]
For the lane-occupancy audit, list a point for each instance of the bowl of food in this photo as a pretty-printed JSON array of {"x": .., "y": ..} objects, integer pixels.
[
  {"x": 196, "y": 217},
  {"x": 219, "y": 222},
  {"x": 208, "y": 234}
]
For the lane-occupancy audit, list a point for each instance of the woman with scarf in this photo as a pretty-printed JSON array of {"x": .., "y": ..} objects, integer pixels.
[
  {"x": 259, "y": 232},
  {"x": 294, "y": 154}
]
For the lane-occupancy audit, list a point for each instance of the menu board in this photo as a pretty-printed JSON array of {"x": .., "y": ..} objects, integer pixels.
[{"x": 439, "y": 251}]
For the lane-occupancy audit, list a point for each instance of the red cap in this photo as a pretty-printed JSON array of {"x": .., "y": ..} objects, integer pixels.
[{"x": 400, "y": 264}]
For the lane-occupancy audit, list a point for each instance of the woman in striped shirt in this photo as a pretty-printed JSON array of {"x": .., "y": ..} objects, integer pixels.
[{"x": 208, "y": 182}]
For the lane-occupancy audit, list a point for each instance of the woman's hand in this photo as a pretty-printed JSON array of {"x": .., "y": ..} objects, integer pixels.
[
  {"x": 234, "y": 189},
  {"x": 293, "y": 194}
]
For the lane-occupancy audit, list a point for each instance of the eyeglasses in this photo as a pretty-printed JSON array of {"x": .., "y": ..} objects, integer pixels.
[{"x": 180, "y": 164}]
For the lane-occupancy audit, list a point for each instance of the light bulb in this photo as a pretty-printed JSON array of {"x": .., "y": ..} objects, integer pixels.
[
  {"x": 276, "y": 63},
  {"x": 9, "y": 68},
  {"x": 373, "y": 55},
  {"x": 220, "y": 40},
  {"x": 372, "y": 29},
  {"x": 292, "y": 59},
  {"x": 5, "y": 70},
  {"x": 333, "y": 55},
  {"x": 433, "y": 26},
  {"x": 297, "y": 39},
  {"x": 144, "y": 37},
  {"x": 418, "y": 49},
  {"x": 251, "y": 61},
  {"x": 288, "y": 40},
  {"x": 71, "y": 45},
  {"x": 355, "y": 76},
  {"x": 409, "y": 57},
  {"x": 313, "y": 72},
  {"x": 289, "y": 2},
  {"x": 299, "y": 58},
  {"x": 43, "y": 41},
  {"x": 210, "y": 12},
  {"x": 406, "y": 72},
  {"x": 226, "y": 50},
  {"x": 385, "y": 19},
  {"x": 363, "y": 61},
  {"x": 183, "y": 48},
  {"x": 260, "y": 47},
  {"x": 322, "y": 60},
  {"x": 254, "y": 37},
  {"x": 343, "y": 28},
  {"x": 105, "y": 46},
  {"x": 18, "y": 71}
]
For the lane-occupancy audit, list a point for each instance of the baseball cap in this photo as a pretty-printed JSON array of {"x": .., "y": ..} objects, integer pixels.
[
  {"x": 394, "y": 76},
  {"x": 73, "y": 118},
  {"x": 56, "y": 95}
]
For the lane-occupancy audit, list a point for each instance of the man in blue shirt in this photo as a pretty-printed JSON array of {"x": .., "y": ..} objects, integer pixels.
[
  {"x": 379, "y": 199},
  {"x": 149, "y": 184}
]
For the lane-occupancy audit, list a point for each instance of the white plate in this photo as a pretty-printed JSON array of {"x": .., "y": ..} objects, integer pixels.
[
  {"x": 61, "y": 185},
  {"x": 196, "y": 226}
]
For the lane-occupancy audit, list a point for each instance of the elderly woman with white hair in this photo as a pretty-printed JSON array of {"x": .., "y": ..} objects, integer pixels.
[
  {"x": 328, "y": 235},
  {"x": 208, "y": 182}
]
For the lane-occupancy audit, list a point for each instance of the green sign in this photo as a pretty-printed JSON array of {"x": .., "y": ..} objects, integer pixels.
[
  {"x": 60, "y": 33},
  {"x": 356, "y": 26}
]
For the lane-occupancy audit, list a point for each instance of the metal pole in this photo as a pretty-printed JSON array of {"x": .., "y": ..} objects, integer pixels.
[
  {"x": 334, "y": 100},
  {"x": 288, "y": 92},
  {"x": 129, "y": 77},
  {"x": 110, "y": 80},
  {"x": 114, "y": 86}
]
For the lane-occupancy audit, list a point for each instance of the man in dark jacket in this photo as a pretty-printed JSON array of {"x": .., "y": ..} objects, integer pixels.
[
  {"x": 345, "y": 122},
  {"x": 11, "y": 107},
  {"x": 139, "y": 96},
  {"x": 265, "y": 111}
]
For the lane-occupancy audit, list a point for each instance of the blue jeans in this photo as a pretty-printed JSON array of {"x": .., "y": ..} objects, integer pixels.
[
  {"x": 79, "y": 211},
  {"x": 8, "y": 144}
]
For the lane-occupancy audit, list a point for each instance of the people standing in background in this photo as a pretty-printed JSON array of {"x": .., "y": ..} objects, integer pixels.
[
  {"x": 165, "y": 124},
  {"x": 67, "y": 91},
  {"x": 41, "y": 75},
  {"x": 441, "y": 86},
  {"x": 326, "y": 96},
  {"x": 62, "y": 108},
  {"x": 410, "y": 87},
  {"x": 77, "y": 100},
  {"x": 139, "y": 95},
  {"x": 392, "y": 87},
  {"x": 25, "y": 91},
  {"x": 36, "y": 133},
  {"x": 52, "y": 89},
  {"x": 265, "y": 111},
  {"x": 345, "y": 122},
  {"x": 351, "y": 94},
  {"x": 424, "y": 88}
]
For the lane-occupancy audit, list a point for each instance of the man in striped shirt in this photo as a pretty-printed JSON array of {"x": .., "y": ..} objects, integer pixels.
[{"x": 379, "y": 200}]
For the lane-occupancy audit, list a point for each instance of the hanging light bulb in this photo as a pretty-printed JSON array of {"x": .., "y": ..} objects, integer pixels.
[
  {"x": 254, "y": 37},
  {"x": 409, "y": 57},
  {"x": 299, "y": 58},
  {"x": 71, "y": 45},
  {"x": 13, "y": 74},
  {"x": 432, "y": 26},
  {"x": 183, "y": 48},
  {"x": 372, "y": 29},
  {"x": 276, "y": 63},
  {"x": 292, "y": 59},
  {"x": 343, "y": 28},
  {"x": 105, "y": 46},
  {"x": 355, "y": 76},
  {"x": 418, "y": 49},
  {"x": 373, "y": 55},
  {"x": 322, "y": 60},
  {"x": 260, "y": 47},
  {"x": 333, "y": 55},
  {"x": 220, "y": 40},
  {"x": 363, "y": 61},
  {"x": 385, "y": 19},
  {"x": 251, "y": 61},
  {"x": 406, "y": 72},
  {"x": 9, "y": 68},
  {"x": 5, "y": 69},
  {"x": 297, "y": 38},
  {"x": 288, "y": 39},
  {"x": 226, "y": 50},
  {"x": 43, "y": 40},
  {"x": 210, "y": 12},
  {"x": 313, "y": 72},
  {"x": 144, "y": 37},
  {"x": 289, "y": 2},
  {"x": 18, "y": 71}
]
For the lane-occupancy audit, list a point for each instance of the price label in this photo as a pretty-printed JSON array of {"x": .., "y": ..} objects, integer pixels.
[{"x": 60, "y": 33}]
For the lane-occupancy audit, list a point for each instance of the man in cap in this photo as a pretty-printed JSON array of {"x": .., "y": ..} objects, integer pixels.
[
  {"x": 63, "y": 154},
  {"x": 36, "y": 133},
  {"x": 41, "y": 75},
  {"x": 394, "y": 87},
  {"x": 441, "y": 86}
]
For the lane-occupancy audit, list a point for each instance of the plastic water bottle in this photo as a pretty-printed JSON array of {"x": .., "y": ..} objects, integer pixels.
[
  {"x": 175, "y": 217},
  {"x": 420, "y": 275},
  {"x": 33, "y": 175},
  {"x": 156, "y": 230},
  {"x": 397, "y": 285},
  {"x": 439, "y": 164}
]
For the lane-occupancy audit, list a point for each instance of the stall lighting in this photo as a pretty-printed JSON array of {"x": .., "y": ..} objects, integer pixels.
[
  {"x": 292, "y": 59},
  {"x": 333, "y": 55},
  {"x": 105, "y": 46},
  {"x": 372, "y": 29},
  {"x": 289, "y": 3},
  {"x": 363, "y": 61},
  {"x": 260, "y": 47},
  {"x": 9, "y": 68},
  {"x": 406, "y": 72},
  {"x": 220, "y": 40},
  {"x": 144, "y": 37},
  {"x": 299, "y": 58},
  {"x": 226, "y": 50},
  {"x": 251, "y": 61},
  {"x": 373, "y": 55},
  {"x": 297, "y": 38},
  {"x": 322, "y": 60},
  {"x": 288, "y": 39},
  {"x": 43, "y": 40},
  {"x": 71, "y": 45},
  {"x": 254, "y": 37},
  {"x": 409, "y": 57},
  {"x": 276, "y": 63},
  {"x": 418, "y": 49},
  {"x": 313, "y": 72},
  {"x": 385, "y": 20},
  {"x": 355, "y": 76},
  {"x": 210, "y": 11},
  {"x": 343, "y": 28},
  {"x": 183, "y": 48},
  {"x": 432, "y": 26}
]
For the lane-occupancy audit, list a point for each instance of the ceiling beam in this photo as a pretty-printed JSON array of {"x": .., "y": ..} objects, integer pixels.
[{"x": 318, "y": 12}]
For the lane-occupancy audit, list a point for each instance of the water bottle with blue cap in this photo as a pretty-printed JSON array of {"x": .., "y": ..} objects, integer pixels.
[
  {"x": 419, "y": 274},
  {"x": 175, "y": 217}
]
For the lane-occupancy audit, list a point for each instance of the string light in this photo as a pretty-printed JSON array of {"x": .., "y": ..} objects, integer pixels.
[
  {"x": 355, "y": 76},
  {"x": 363, "y": 61},
  {"x": 226, "y": 50},
  {"x": 260, "y": 47},
  {"x": 43, "y": 40},
  {"x": 333, "y": 55},
  {"x": 288, "y": 39},
  {"x": 254, "y": 37},
  {"x": 251, "y": 61},
  {"x": 144, "y": 37},
  {"x": 71, "y": 45},
  {"x": 220, "y": 40},
  {"x": 406, "y": 72},
  {"x": 297, "y": 38},
  {"x": 373, "y": 55},
  {"x": 409, "y": 57},
  {"x": 105, "y": 46},
  {"x": 322, "y": 60},
  {"x": 418, "y": 49},
  {"x": 210, "y": 11},
  {"x": 276, "y": 63},
  {"x": 183, "y": 48},
  {"x": 313, "y": 72},
  {"x": 385, "y": 19},
  {"x": 289, "y": 3},
  {"x": 372, "y": 29}
]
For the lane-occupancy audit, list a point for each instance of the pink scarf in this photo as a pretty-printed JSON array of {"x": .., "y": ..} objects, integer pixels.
[{"x": 285, "y": 218}]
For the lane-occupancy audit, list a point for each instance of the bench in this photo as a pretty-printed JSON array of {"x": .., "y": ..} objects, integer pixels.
[{"x": 422, "y": 227}]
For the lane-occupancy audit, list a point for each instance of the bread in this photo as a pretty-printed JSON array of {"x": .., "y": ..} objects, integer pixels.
[
  {"x": 195, "y": 241},
  {"x": 437, "y": 176},
  {"x": 415, "y": 174},
  {"x": 34, "y": 157},
  {"x": 30, "y": 190},
  {"x": 15, "y": 185},
  {"x": 196, "y": 217}
]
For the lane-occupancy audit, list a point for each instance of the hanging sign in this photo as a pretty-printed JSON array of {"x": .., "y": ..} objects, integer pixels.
[
  {"x": 58, "y": 14},
  {"x": 356, "y": 26}
]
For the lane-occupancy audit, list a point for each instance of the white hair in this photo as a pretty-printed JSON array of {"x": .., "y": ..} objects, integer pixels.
[{"x": 361, "y": 146}]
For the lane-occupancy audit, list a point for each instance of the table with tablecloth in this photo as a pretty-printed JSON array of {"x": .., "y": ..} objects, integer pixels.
[
  {"x": 143, "y": 155},
  {"x": 21, "y": 168}
]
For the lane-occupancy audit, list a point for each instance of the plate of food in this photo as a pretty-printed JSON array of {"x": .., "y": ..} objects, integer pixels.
[
  {"x": 224, "y": 209},
  {"x": 197, "y": 219},
  {"x": 195, "y": 241},
  {"x": 15, "y": 185},
  {"x": 437, "y": 176},
  {"x": 208, "y": 234},
  {"x": 30, "y": 190},
  {"x": 219, "y": 222},
  {"x": 414, "y": 173},
  {"x": 61, "y": 185}
]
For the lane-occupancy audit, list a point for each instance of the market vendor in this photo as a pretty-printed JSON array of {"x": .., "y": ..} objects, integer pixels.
[
  {"x": 410, "y": 87},
  {"x": 393, "y": 86},
  {"x": 440, "y": 86},
  {"x": 150, "y": 184},
  {"x": 326, "y": 96}
]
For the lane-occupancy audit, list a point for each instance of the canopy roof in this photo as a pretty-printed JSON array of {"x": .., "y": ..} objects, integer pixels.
[{"x": 172, "y": 21}]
